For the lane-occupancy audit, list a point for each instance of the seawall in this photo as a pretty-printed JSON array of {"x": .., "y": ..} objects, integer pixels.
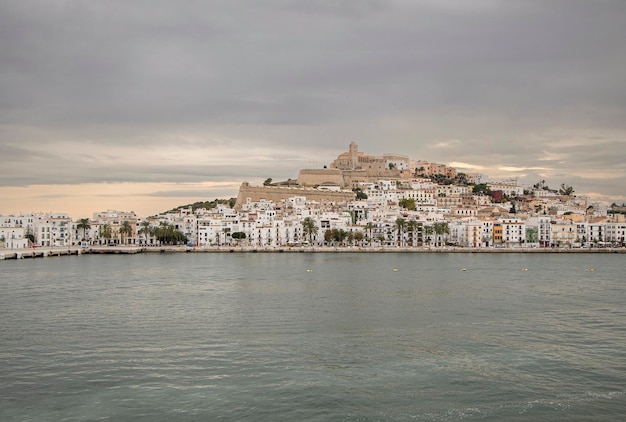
[{"x": 7, "y": 254}]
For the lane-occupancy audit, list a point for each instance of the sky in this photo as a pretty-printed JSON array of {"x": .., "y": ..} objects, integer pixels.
[{"x": 145, "y": 105}]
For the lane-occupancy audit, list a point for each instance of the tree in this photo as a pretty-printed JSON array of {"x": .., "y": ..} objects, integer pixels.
[
  {"x": 461, "y": 179},
  {"x": 335, "y": 235},
  {"x": 268, "y": 182},
  {"x": 238, "y": 235},
  {"x": 411, "y": 226},
  {"x": 481, "y": 188},
  {"x": 370, "y": 228},
  {"x": 428, "y": 231},
  {"x": 408, "y": 203},
  {"x": 400, "y": 225},
  {"x": 105, "y": 231},
  {"x": 360, "y": 195},
  {"x": 84, "y": 225},
  {"x": 167, "y": 234},
  {"x": 441, "y": 229},
  {"x": 566, "y": 190},
  {"x": 126, "y": 229},
  {"x": 340, "y": 235},
  {"x": 146, "y": 230},
  {"x": 442, "y": 179},
  {"x": 359, "y": 236},
  {"x": 309, "y": 228},
  {"x": 350, "y": 237}
]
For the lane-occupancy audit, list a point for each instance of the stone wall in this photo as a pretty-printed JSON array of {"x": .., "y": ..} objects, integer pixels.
[
  {"x": 314, "y": 177},
  {"x": 276, "y": 194}
]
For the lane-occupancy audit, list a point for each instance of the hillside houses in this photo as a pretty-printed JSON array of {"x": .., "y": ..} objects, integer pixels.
[
  {"x": 455, "y": 218},
  {"x": 361, "y": 200}
]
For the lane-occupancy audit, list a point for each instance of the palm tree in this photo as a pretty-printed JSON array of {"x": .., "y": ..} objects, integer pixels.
[
  {"x": 566, "y": 190},
  {"x": 106, "y": 231},
  {"x": 146, "y": 230},
  {"x": 428, "y": 232},
  {"x": 381, "y": 239},
  {"x": 442, "y": 228},
  {"x": 309, "y": 228},
  {"x": 370, "y": 228},
  {"x": 125, "y": 229},
  {"x": 83, "y": 224},
  {"x": 340, "y": 236},
  {"x": 400, "y": 225},
  {"x": 411, "y": 226},
  {"x": 167, "y": 233},
  {"x": 163, "y": 232}
]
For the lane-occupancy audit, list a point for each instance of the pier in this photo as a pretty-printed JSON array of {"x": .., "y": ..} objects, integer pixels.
[{"x": 37, "y": 253}]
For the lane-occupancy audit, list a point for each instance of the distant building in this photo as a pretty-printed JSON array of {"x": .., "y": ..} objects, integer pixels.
[{"x": 352, "y": 168}]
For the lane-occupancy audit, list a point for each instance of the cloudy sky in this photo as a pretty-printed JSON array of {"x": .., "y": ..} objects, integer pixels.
[{"x": 147, "y": 104}]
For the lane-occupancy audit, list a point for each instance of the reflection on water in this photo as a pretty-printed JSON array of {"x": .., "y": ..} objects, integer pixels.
[{"x": 313, "y": 337}]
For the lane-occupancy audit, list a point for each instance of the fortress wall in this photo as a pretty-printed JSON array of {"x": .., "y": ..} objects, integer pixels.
[
  {"x": 313, "y": 177},
  {"x": 276, "y": 194}
]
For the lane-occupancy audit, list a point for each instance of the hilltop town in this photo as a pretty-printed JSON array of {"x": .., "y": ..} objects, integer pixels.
[{"x": 358, "y": 200}]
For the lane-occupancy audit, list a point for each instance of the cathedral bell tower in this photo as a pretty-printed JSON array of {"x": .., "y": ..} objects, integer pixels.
[{"x": 354, "y": 158}]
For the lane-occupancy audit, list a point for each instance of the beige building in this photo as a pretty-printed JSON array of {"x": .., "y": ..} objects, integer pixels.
[
  {"x": 353, "y": 167},
  {"x": 276, "y": 194}
]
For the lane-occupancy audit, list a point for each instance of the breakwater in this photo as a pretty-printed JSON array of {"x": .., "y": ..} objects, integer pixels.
[{"x": 37, "y": 253}]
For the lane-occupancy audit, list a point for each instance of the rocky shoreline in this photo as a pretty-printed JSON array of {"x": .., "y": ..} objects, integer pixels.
[{"x": 131, "y": 250}]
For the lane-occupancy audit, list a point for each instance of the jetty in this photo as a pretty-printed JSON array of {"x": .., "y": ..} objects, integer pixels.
[
  {"x": 125, "y": 250},
  {"x": 37, "y": 253}
]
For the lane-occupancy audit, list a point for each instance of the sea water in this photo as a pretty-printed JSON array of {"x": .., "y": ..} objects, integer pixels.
[{"x": 314, "y": 337}]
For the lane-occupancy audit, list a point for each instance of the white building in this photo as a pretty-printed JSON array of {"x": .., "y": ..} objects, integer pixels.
[
  {"x": 513, "y": 231},
  {"x": 544, "y": 232},
  {"x": 563, "y": 233},
  {"x": 509, "y": 188},
  {"x": 615, "y": 233},
  {"x": 13, "y": 238}
]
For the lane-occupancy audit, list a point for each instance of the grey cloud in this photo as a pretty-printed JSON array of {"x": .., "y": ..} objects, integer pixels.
[
  {"x": 393, "y": 75},
  {"x": 599, "y": 155},
  {"x": 68, "y": 172},
  {"x": 10, "y": 153},
  {"x": 133, "y": 63}
]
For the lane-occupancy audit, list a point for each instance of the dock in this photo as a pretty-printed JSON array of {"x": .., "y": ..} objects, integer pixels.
[{"x": 38, "y": 253}]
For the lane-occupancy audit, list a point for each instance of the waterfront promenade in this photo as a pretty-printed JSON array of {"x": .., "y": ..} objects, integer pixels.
[{"x": 129, "y": 250}]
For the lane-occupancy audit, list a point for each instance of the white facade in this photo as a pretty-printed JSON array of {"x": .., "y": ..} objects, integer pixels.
[
  {"x": 564, "y": 234},
  {"x": 513, "y": 231},
  {"x": 509, "y": 189},
  {"x": 13, "y": 238},
  {"x": 616, "y": 233}
]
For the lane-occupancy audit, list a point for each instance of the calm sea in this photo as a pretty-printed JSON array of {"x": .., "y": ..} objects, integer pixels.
[{"x": 313, "y": 337}]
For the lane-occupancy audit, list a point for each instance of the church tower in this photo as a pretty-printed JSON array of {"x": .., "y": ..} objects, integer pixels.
[{"x": 354, "y": 157}]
